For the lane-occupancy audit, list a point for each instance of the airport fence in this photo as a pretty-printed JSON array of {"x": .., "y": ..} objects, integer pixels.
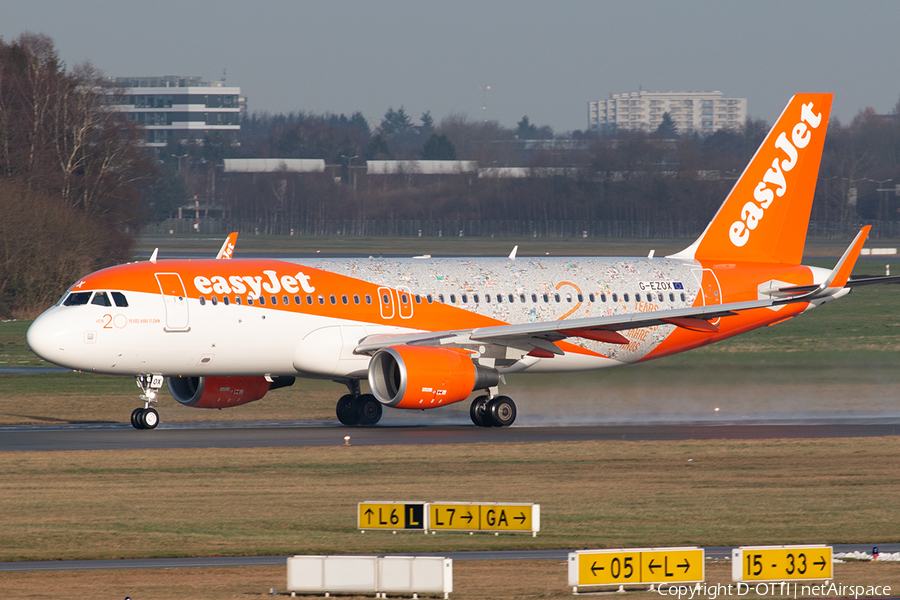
[{"x": 505, "y": 228}]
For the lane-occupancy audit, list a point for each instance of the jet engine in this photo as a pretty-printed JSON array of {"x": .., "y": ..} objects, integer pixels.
[
  {"x": 426, "y": 377},
  {"x": 219, "y": 392}
]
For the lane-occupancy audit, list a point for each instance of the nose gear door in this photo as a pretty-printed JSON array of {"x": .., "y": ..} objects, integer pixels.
[{"x": 172, "y": 289}]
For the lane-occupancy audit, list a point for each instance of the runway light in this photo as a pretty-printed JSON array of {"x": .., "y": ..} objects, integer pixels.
[
  {"x": 717, "y": 409},
  {"x": 346, "y": 440}
]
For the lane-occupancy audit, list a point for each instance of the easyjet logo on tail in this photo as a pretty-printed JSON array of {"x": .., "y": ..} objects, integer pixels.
[
  {"x": 238, "y": 284},
  {"x": 753, "y": 212}
]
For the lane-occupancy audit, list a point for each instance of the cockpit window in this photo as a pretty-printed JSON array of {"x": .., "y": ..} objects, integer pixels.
[
  {"x": 119, "y": 299},
  {"x": 101, "y": 299},
  {"x": 77, "y": 299}
]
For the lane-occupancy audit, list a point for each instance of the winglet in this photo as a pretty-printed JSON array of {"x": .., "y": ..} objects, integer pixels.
[
  {"x": 227, "y": 249},
  {"x": 512, "y": 255},
  {"x": 153, "y": 256}
]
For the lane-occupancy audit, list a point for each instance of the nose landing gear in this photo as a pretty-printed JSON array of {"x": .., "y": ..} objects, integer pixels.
[{"x": 146, "y": 417}]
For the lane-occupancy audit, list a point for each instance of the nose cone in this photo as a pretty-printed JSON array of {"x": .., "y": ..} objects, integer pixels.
[{"x": 48, "y": 338}]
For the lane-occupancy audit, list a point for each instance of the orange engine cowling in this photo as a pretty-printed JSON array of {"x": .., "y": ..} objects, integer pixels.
[
  {"x": 219, "y": 392},
  {"x": 425, "y": 377}
]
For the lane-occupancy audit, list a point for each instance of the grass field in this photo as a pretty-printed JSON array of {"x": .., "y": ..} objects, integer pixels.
[{"x": 109, "y": 504}]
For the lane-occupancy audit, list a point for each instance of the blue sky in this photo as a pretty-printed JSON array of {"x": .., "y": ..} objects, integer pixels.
[{"x": 546, "y": 60}]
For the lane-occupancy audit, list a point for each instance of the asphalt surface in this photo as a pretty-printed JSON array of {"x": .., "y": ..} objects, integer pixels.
[
  {"x": 314, "y": 433},
  {"x": 714, "y": 553}
]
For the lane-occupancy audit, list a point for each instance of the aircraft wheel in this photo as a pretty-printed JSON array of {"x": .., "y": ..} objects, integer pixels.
[
  {"x": 346, "y": 410},
  {"x": 149, "y": 418},
  {"x": 136, "y": 418},
  {"x": 369, "y": 409},
  {"x": 502, "y": 411},
  {"x": 478, "y": 412}
]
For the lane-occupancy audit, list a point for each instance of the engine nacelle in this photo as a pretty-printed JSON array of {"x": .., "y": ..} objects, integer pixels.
[
  {"x": 425, "y": 377},
  {"x": 219, "y": 392}
]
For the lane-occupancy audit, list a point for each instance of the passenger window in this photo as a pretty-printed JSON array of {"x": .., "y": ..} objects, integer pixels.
[
  {"x": 615, "y": 297},
  {"x": 625, "y": 297},
  {"x": 556, "y": 297},
  {"x": 297, "y": 300},
  {"x": 321, "y": 299},
  {"x": 404, "y": 298},
  {"x": 309, "y": 299},
  {"x": 355, "y": 298},
  {"x": 214, "y": 300},
  {"x": 119, "y": 299},
  {"x": 671, "y": 297},
  {"x": 580, "y": 298},
  {"x": 225, "y": 300},
  {"x": 285, "y": 300},
  {"x": 591, "y": 297},
  {"x": 660, "y": 296},
  {"x": 386, "y": 298},
  {"x": 534, "y": 297},
  {"x": 682, "y": 297},
  {"x": 522, "y": 298},
  {"x": 333, "y": 299},
  {"x": 546, "y": 298},
  {"x": 274, "y": 300},
  {"x": 262, "y": 300},
  {"x": 602, "y": 297},
  {"x": 101, "y": 299},
  {"x": 237, "y": 300},
  {"x": 418, "y": 299},
  {"x": 465, "y": 299},
  {"x": 249, "y": 300},
  {"x": 476, "y": 298},
  {"x": 203, "y": 301},
  {"x": 637, "y": 297},
  {"x": 487, "y": 298},
  {"x": 368, "y": 299},
  {"x": 453, "y": 298},
  {"x": 429, "y": 299},
  {"x": 441, "y": 298},
  {"x": 499, "y": 298},
  {"x": 344, "y": 299}
]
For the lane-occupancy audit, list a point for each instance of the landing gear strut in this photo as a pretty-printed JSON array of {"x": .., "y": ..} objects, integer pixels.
[
  {"x": 499, "y": 411},
  {"x": 146, "y": 417},
  {"x": 358, "y": 409}
]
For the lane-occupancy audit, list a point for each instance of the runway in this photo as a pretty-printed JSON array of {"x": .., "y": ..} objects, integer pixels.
[
  {"x": 712, "y": 553},
  {"x": 317, "y": 433}
]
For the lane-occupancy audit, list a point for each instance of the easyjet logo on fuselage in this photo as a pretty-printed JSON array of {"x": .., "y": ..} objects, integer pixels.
[
  {"x": 269, "y": 282},
  {"x": 753, "y": 212}
]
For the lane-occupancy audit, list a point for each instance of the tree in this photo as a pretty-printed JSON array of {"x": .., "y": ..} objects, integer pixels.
[
  {"x": 395, "y": 122},
  {"x": 427, "y": 127},
  {"x": 525, "y": 130},
  {"x": 438, "y": 147},
  {"x": 667, "y": 128},
  {"x": 61, "y": 142}
]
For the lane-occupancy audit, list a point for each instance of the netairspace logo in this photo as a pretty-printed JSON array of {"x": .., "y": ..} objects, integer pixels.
[{"x": 780, "y": 589}]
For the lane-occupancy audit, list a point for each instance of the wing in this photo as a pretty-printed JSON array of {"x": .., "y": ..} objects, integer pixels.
[{"x": 537, "y": 339}]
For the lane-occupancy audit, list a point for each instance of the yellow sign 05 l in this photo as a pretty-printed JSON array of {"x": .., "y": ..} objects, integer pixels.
[{"x": 636, "y": 565}]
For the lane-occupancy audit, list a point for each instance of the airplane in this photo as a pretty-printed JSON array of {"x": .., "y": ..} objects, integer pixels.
[{"x": 429, "y": 332}]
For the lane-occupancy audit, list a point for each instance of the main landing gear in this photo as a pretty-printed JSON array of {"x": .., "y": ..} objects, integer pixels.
[
  {"x": 499, "y": 411},
  {"x": 146, "y": 417},
  {"x": 358, "y": 409}
]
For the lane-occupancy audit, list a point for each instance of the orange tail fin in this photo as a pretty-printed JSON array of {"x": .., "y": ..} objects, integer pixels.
[{"x": 766, "y": 215}]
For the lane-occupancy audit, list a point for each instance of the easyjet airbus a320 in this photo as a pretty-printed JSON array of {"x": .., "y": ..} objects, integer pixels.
[{"x": 426, "y": 333}]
